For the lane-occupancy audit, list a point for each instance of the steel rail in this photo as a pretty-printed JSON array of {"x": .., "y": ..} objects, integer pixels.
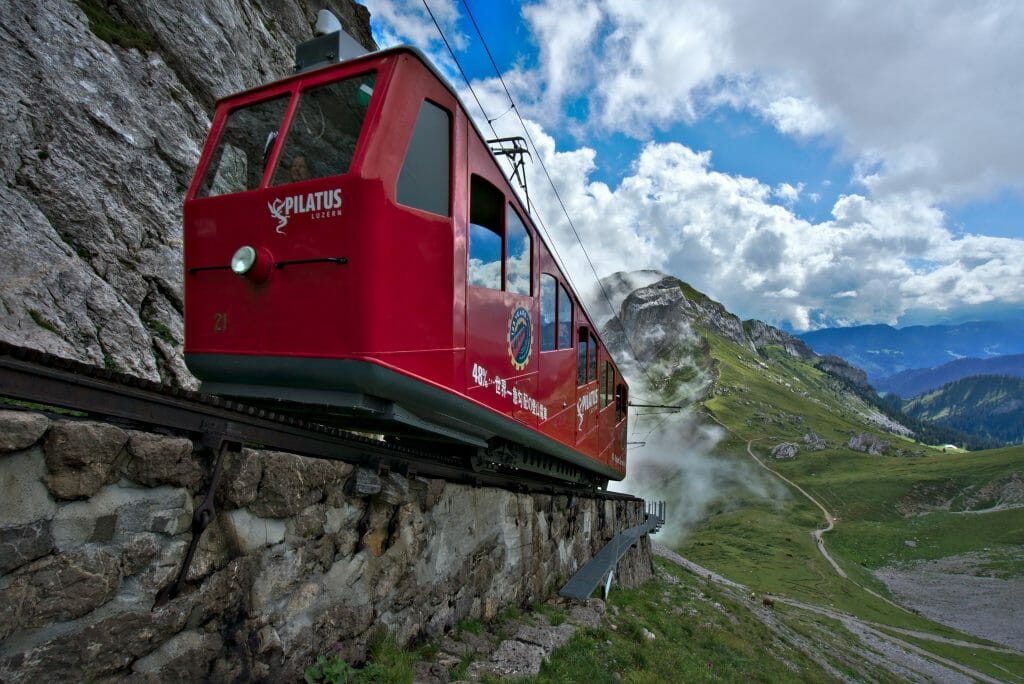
[{"x": 31, "y": 376}]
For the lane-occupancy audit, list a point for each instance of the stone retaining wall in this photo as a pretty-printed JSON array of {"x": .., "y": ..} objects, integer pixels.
[{"x": 95, "y": 519}]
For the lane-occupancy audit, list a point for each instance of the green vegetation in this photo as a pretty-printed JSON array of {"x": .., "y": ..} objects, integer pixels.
[
  {"x": 388, "y": 663},
  {"x": 554, "y": 614},
  {"x": 915, "y": 503},
  {"x": 987, "y": 405},
  {"x": 699, "y": 633},
  {"x": 162, "y": 331},
  {"x": 110, "y": 364},
  {"x": 471, "y": 626},
  {"x": 41, "y": 321},
  {"x": 112, "y": 30},
  {"x": 40, "y": 408}
]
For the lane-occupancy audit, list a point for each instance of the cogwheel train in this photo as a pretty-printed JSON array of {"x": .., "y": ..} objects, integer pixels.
[{"x": 353, "y": 246}]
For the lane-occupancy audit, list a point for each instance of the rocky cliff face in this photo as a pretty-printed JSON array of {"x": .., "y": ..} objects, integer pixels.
[{"x": 106, "y": 106}]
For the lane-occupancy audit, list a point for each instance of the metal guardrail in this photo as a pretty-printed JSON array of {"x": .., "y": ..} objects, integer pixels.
[{"x": 602, "y": 565}]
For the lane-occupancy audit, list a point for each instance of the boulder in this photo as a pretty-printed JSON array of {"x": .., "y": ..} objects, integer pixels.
[
  {"x": 20, "y": 430},
  {"x": 81, "y": 457},
  {"x": 868, "y": 443},
  {"x": 785, "y": 451}
]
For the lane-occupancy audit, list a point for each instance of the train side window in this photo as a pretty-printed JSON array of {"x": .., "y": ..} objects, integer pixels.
[
  {"x": 245, "y": 142},
  {"x": 607, "y": 383},
  {"x": 423, "y": 181},
  {"x": 548, "y": 329},
  {"x": 621, "y": 402},
  {"x": 518, "y": 267},
  {"x": 564, "y": 318},
  {"x": 581, "y": 357},
  {"x": 486, "y": 233},
  {"x": 592, "y": 370},
  {"x": 322, "y": 137}
]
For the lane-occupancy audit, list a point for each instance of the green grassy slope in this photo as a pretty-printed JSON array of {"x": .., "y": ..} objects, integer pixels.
[
  {"x": 991, "y": 406},
  {"x": 904, "y": 506}
]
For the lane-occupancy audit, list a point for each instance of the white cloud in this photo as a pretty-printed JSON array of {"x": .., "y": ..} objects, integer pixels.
[
  {"x": 397, "y": 22},
  {"x": 788, "y": 193},
  {"x": 918, "y": 94},
  {"x": 722, "y": 234},
  {"x": 922, "y": 93}
]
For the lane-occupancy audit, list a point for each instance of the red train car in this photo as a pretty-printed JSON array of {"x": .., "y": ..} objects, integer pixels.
[{"x": 351, "y": 243}]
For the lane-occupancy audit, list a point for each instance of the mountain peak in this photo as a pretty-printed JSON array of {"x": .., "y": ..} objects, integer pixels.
[{"x": 668, "y": 312}]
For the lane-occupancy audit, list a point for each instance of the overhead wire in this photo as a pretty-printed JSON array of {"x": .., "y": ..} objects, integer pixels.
[{"x": 547, "y": 174}]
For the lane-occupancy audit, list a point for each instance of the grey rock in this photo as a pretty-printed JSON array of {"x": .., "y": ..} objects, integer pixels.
[
  {"x": 241, "y": 478},
  {"x": 279, "y": 591},
  {"x": 868, "y": 443},
  {"x": 59, "y": 588},
  {"x": 763, "y": 335},
  {"x": 839, "y": 367},
  {"x": 82, "y": 457},
  {"x": 430, "y": 673},
  {"x": 785, "y": 451},
  {"x": 93, "y": 651},
  {"x": 512, "y": 659},
  {"x": 24, "y": 543},
  {"x": 589, "y": 614},
  {"x": 158, "y": 460},
  {"x": 546, "y": 636},
  {"x": 187, "y": 656},
  {"x": 394, "y": 490},
  {"x": 26, "y": 499},
  {"x": 291, "y": 483},
  {"x": 20, "y": 430},
  {"x": 814, "y": 442},
  {"x": 116, "y": 514},
  {"x": 364, "y": 482}
]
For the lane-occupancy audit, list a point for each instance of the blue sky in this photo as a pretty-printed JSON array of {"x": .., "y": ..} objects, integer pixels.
[{"x": 809, "y": 164}]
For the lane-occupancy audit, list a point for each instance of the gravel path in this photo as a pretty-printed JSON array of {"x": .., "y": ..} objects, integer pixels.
[{"x": 946, "y": 591}]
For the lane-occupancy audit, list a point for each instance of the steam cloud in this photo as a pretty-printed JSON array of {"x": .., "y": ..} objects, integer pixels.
[{"x": 673, "y": 459}]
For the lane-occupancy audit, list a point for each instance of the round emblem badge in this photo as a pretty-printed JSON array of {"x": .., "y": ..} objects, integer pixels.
[{"x": 520, "y": 338}]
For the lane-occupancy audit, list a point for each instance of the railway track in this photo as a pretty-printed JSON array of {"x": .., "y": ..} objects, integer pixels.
[
  {"x": 220, "y": 425},
  {"x": 28, "y": 375}
]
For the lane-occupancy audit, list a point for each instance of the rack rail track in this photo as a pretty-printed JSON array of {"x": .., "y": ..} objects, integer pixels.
[{"x": 32, "y": 376}]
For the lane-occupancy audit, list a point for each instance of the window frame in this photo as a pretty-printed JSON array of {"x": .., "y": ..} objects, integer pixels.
[
  {"x": 582, "y": 344},
  {"x": 278, "y": 176},
  {"x": 563, "y": 290},
  {"x": 482, "y": 195},
  {"x": 413, "y": 147},
  {"x": 549, "y": 329},
  {"x": 510, "y": 212},
  {"x": 479, "y": 187}
]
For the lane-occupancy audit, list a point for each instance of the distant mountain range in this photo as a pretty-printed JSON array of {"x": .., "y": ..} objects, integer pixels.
[
  {"x": 989, "y": 406},
  {"x": 677, "y": 345},
  {"x": 883, "y": 351},
  {"x": 910, "y": 383}
]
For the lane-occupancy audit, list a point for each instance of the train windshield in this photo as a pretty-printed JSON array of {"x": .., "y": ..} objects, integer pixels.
[
  {"x": 321, "y": 139},
  {"x": 324, "y": 131},
  {"x": 244, "y": 147}
]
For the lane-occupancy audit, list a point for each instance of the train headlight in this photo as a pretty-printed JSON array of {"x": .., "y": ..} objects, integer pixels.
[{"x": 243, "y": 260}]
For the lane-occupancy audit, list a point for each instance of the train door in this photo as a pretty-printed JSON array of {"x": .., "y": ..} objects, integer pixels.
[
  {"x": 606, "y": 414},
  {"x": 501, "y": 316},
  {"x": 586, "y": 390},
  {"x": 620, "y": 433},
  {"x": 556, "y": 381}
]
